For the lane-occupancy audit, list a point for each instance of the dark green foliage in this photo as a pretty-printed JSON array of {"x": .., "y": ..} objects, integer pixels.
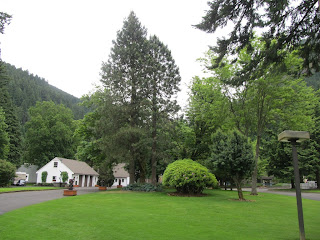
[
  {"x": 232, "y": 156},
  {"x": 4, "y": 139},
  {"x": 164, "y": 81},
  {"x": 188, "y": 177},
  {"x": 7, "y": 172},
  {"x": 125, "y": 77},
  {"x": 4, "y": 20},
  {"x": 143, "y": 187},
  {"x": 140, "y": 79},
  {"x": 293, "y": 24},
  {"x": 13, "y": 127},
  {"x": 64, "y": 176},
  {"x": 49, "y": 133},
  {"x": 44, "y": 175},
  {"x": 26, "y": 89},
  {"x": 106, "y": 177}
]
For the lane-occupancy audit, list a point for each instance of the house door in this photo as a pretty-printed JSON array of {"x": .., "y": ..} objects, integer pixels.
[{"x": 119, "y": 182}]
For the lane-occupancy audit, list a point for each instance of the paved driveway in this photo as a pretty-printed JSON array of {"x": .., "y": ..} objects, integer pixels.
[
  {"x": 312, "y": 196},
  {"x": 14, "y": 200}
]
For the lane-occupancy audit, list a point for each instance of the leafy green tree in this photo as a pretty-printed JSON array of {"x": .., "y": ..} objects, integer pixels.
[
  {"x": 274, "y": 95},
  {"x": 163, "y": 84},
  {"x": 295, "y": 24},
  {"x": 49, "y": 133},
  {"x": 106, "y": 177},
  {"x": 209, "y": 110},
  {"x": 232, "y": 155},
  {"x": 4, "y": 139},
  {"x": 7, "y": 172}
]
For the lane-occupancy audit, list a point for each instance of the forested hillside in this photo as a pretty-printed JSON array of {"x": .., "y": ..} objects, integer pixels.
[{"x": 26, "y": 89}]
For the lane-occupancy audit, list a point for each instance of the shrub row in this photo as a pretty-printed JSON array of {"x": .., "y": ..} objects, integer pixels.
[{"x": 143, "y": 187}]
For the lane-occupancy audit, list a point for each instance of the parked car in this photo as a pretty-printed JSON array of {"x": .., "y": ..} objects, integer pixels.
[{"x": 21, "y": 182}]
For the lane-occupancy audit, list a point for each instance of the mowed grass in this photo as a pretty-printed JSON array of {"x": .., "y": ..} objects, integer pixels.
[
  {"x": 20, "y": 189},
  {"x": 131, "y": 215}
]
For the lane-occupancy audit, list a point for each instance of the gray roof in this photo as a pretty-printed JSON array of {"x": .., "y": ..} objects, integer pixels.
[
  {"x": 119, "y": 171},
  {"x": 78, "y": 167}
]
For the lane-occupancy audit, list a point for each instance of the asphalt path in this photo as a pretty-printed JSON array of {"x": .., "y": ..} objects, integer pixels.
[
  {"x": 14, "y": 200},
  {"x": 312, "y": 196}
]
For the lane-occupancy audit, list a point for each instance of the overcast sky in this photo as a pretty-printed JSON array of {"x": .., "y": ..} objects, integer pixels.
[{"x": 66, "y": 41}]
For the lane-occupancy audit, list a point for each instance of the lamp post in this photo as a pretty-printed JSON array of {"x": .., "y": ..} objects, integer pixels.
[{"x": 294, "y": 137}]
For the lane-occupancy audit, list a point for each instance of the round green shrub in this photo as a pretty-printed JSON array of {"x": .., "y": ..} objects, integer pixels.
[
  {"x": 188, "y": 176},
  {"x": 7, "y": 172}
]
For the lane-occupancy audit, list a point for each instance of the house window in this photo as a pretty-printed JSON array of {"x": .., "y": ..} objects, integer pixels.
[
  {"x": 122, "y": 180},
  {"x": 54, "y": 178},
  {"x": 115, "y": 180},
  {"x": 55, "y": 164}
]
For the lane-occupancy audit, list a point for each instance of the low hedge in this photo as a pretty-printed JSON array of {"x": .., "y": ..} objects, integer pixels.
[{"x": 143, "y": 187}]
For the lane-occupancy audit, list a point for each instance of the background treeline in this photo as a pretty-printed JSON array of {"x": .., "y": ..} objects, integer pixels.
[{"x": 26, "y": 89}]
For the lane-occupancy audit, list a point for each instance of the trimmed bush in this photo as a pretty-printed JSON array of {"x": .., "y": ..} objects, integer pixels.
[
  {"x": 64, "y": 176},
  {"x": 7, "y": 172},
  {"x": 188, "y": 177},
  {"x": 44, "y": 176},
  {"x": 145, "y": 187}
]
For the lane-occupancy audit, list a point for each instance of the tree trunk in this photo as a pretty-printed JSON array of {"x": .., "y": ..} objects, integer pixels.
[
  {"x": 154, "y": 138},
  {"x": 240, "y": 193},
  {"x": 293, "y": 186},
  {"x": 318, "y": 176},
  {"x": 255, "y": 170},
  {"x": 154, "y": 156},
  {"x": 131, "y": 170}
]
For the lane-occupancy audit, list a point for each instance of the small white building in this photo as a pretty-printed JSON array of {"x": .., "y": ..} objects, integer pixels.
[
  {"x": 121, "y": 175},
  {"x": 30, "y": 171},
  {"x": 82, "y": 174}
]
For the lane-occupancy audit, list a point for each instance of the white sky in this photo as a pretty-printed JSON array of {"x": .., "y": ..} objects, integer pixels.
[{"x": 66, "y": 41}]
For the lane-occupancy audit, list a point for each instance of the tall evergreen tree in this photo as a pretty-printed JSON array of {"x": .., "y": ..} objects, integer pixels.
[
  {"x": 11, "y": 120},
  {"x": 164, "y": 80},
  {"x": 125, "y": 77},
  {"x": 4, "y": 139}
]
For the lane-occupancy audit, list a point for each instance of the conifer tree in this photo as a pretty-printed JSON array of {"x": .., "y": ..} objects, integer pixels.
[
  {"x": 164, "y": 79},
  {"x": 125, "y": 77},
  {"x": 295, "y": 25}
]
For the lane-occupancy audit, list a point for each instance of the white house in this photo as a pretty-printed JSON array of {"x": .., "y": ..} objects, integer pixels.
[
  {"x": 121, "y": 175},
  {"x": 82, "y": 174}
]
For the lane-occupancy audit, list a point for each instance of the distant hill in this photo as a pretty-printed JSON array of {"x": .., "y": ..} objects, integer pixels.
[{"x": 26, "y": 89}]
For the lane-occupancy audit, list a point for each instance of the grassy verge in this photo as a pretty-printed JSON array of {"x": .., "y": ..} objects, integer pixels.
[
  {"x": 19, "y": 189},
  {"x": 131, "y": 215}
]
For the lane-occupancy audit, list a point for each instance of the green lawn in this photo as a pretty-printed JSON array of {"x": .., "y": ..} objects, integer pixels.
[
  {"x": 140, "y": 216},
  {"x": 18, "y": 189}
]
